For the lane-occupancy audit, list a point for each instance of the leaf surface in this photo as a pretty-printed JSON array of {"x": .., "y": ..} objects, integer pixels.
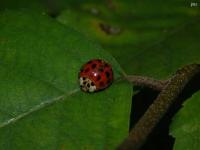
[
  {"x": 41, "y": 106},
  {"x": 186, "y": 127}
]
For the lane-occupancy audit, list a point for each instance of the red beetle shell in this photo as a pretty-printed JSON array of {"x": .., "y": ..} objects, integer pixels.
[{"x": 95, "y": 75}]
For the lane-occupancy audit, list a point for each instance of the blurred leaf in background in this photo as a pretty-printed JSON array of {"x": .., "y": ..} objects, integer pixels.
[{"x": 151, "y": 38}]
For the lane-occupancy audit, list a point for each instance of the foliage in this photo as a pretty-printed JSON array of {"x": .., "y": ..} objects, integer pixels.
[
  {"x": 40, "y": 96},
  {"x": 185, "y": 126},
  {"x": 40, "y": 58}
]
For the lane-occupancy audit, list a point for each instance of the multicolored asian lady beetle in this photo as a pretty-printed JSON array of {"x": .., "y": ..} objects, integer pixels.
[{"x": 95, "y": 75}]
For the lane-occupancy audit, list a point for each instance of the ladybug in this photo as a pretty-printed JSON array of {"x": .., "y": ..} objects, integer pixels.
[{"x": 95, "y": 75}]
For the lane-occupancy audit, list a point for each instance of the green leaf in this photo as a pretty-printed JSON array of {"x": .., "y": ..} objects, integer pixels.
[
  {"x": 41, "y": 106},
  {"x": 185, "y": 126},
  {"x": 17, "y": 4}
]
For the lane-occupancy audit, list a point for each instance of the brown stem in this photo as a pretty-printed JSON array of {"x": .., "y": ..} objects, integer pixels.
[
  {"x": 147, "y": 82},
  {"x": 160, "y": 106}
]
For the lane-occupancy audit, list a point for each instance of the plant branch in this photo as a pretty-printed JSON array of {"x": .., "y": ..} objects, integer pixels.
[
  {"x": 157, "y": 110},
  {"x": 147, "y": 82}
]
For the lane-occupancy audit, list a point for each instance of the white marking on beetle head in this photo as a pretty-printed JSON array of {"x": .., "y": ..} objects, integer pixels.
[{"x": 87, "y": 85}]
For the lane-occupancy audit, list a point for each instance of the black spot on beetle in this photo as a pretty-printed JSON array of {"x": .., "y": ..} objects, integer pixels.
[
  {"x": 106, "y": 65},
  {"x": 100, "y": 69},
  {"x": 88, "y": 85},
  {"x": 84, "y": 82},
  {"x": 94, "y": 66},
  {"x": 84, "y": 78},
  {"x": 92, "y": 83},
  {"x": 86, "y": 70},
  {"x": 98, "y": 78},
  {"x": 107, "y": 74}
]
